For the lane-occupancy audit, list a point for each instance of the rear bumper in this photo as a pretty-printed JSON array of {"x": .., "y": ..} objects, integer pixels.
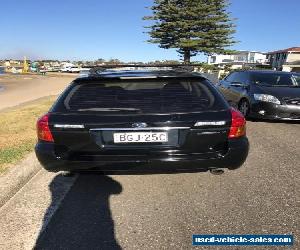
[
  {"x": 116, "y": 164},
  {"x": 264, "y": 110}
]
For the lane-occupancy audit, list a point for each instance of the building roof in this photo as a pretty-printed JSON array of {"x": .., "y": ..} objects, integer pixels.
[
  {"x": 250, "y": 51},
  {"x": 240, "y": 51},
  {"x": 292, "y": 49}
]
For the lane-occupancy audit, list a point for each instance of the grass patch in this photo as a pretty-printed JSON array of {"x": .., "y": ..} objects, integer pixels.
[{"x": 17, "y": 131}]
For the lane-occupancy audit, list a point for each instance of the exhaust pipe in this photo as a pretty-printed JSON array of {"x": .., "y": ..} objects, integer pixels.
[
  {"x": 216, "y": 171},
  {"x": 67, "y": 174}
]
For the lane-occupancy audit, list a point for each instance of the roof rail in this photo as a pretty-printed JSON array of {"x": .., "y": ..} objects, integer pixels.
[{"x": 179, "y": 67}]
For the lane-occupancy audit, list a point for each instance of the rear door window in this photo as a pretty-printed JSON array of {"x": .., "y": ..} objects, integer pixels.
[
  {"x": 144, "y": 97},
  {"x": 272, "y": 79},
  {"x": 231, "y": 77}
]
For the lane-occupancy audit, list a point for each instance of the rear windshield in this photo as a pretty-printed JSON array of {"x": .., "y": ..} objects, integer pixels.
[
  {"x": 142, "y": 97},
  {"x": 275, "y": 79}
]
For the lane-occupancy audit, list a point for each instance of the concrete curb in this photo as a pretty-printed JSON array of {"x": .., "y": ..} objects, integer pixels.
[{"x": 16, "y": 177}]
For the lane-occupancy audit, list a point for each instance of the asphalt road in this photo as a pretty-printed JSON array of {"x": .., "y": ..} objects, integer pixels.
[{"x": 162, "y": 211}]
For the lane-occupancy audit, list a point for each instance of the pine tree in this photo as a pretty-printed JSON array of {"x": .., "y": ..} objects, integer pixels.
[{"x": 191, "y": 26}]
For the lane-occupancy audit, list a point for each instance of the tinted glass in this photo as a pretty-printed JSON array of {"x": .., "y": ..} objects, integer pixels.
[
  {"x": 273, "y": 79},
  {"x": 231, "y": 77},
  {"x": 143, "y": 97},
  {"x": 238, "y": 77},
  {"x": 243, "y": 77}
]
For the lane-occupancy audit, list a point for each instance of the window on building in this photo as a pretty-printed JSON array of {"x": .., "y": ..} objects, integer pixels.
[{"x": 240, "y": 58}]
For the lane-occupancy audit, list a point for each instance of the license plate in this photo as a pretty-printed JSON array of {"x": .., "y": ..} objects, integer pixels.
[{"x": 139, "y": 137}]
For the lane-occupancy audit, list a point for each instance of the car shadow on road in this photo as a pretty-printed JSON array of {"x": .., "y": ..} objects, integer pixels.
[{"x": 83, "y": 219}]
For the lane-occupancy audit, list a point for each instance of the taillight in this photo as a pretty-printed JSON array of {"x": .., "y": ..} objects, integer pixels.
[
  {"x": 238, "y": 124},
  {"x": 43, "y": 131}
]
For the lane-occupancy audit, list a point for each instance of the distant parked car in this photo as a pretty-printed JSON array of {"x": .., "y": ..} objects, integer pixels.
[
  {"x": 263, "y": 94},
  {"x": 65, "y": 69},
  {"x": 49, "y": 69},
  {"x": 56, "y": 69},
  {"x": 74, "y": 69},
  {"x": 70, "y": 69},
  {"x": 84, "y": 72}
]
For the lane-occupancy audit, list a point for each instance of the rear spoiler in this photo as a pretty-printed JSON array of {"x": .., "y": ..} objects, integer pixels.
[{"x": 177, "y": 67}]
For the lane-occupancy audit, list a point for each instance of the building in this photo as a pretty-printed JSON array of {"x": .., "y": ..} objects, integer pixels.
[
  {"x": 239, "y": 58},
  {"x": 286, "y": 59}
]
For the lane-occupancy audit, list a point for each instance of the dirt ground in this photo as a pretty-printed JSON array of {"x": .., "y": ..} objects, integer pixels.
[{"x": 18, "y": 89}]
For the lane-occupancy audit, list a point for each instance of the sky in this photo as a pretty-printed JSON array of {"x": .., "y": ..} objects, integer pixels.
[{"x": 92, "y": 29}]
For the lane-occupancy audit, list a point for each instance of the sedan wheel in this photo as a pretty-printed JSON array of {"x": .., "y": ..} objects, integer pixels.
[{"x": 244, "y": 107}]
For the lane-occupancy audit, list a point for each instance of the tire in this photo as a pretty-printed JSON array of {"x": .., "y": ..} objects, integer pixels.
[{"x": 244, "y": 107}]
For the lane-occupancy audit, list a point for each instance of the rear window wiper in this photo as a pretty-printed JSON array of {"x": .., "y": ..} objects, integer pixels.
[{"x": 109, "y": 109}]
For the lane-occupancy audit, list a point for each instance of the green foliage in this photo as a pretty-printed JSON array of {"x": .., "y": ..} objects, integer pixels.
[
  {"x": 114, "y": 61},
  {"x": 18, "y": 131},
  {"x": 100, "y": 61},
  {"x": 14, "y": 154},
  {"x": 206, "y": 67},
  {"x": 191, "y": 26},
  {"x": 164, "y": 62}
]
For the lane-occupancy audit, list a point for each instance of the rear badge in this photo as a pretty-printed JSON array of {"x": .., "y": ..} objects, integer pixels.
[
  {"x": 68, "y": 126},
  {"x": 139, "y": 125},
  {"x": 217, "y": 123}
]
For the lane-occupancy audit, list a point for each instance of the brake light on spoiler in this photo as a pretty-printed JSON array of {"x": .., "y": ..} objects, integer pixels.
[
  {"x": 43, "y": 130},
  {"x": 238, "y": 124}
]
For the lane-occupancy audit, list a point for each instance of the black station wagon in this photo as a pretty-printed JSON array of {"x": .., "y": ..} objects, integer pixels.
[{"x": 162, "y": 120}]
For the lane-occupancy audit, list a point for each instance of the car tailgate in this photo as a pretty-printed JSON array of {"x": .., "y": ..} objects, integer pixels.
[{"x": 93, "y": 133}]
